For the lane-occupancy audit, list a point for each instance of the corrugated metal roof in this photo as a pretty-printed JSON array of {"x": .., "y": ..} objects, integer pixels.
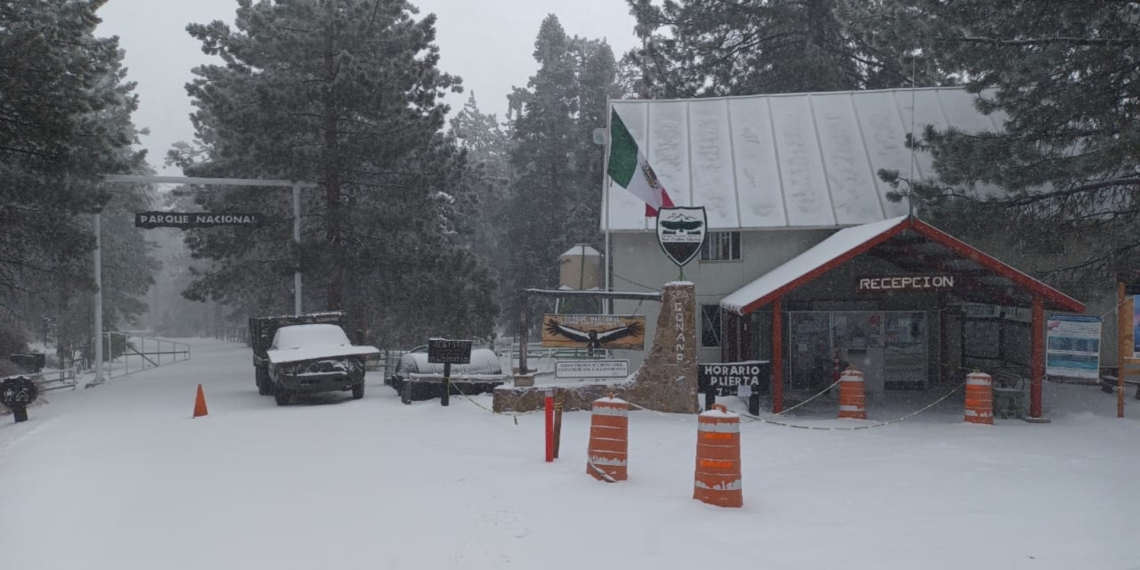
[{"x": 805, "y": 160}]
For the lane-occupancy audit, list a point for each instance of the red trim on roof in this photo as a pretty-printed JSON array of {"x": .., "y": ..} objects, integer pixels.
[
  {"x": 1058, "y": 299},
  {"x": 814, "y": 273}
]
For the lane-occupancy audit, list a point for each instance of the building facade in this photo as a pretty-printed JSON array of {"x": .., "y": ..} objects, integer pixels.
[{"x": 786, "y": 177}]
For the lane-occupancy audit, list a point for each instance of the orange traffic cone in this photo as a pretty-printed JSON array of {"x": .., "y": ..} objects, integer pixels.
[{"x": 200, "y": 403}]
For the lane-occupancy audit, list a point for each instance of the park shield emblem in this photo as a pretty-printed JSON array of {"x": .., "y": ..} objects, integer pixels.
[{"x": 681, "y": 232}]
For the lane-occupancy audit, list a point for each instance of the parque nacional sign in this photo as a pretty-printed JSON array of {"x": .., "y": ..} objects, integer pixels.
[
  {"x": 150, "y": 220},
  {"x": 681, "y": 232}
]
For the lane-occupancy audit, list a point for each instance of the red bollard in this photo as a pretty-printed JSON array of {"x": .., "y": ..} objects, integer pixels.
[{"x": 549, "y": 426}]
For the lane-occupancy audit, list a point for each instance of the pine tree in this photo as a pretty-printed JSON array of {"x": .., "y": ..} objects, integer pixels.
[
  {"x": 717, "y": 48},
  {"x": 64, "y": 121},
  {"x": 1066, "y": 158},
  {"x": 555, "y": 201},
  {"x": 344, "y": 93},
  {"x": 488, "y": 146}
]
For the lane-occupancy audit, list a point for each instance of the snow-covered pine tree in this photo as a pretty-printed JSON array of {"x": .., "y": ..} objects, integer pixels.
[
  {"x": 65, "y": 109},
  {"x": 555, "y": 200},
  {"x": 701, "y": 48},
  {"x": 1064, "y": 73},
  {"x": 344, "y": 93}
]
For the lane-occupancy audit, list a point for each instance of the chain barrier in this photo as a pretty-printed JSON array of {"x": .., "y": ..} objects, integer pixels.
[
  {"x": 759, "y": 419},
  {"x": 514, "y": 415},
  {"x": 767, "y": 420}
]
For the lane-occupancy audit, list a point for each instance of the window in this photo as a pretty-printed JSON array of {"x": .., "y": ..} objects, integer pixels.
[
  {"x": 710, "y": 326},
  {"x": 721, "y": 246}
]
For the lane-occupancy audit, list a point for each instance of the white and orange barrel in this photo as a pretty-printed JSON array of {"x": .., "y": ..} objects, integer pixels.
[
  {"x": 852, "y": 398},
  {"x": 608, "y": 451},
  {"x": 979, "y": 398},
  {"x": 718, "y": 481}
]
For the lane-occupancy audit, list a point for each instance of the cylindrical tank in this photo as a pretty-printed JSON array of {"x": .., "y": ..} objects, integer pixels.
[{"x": 580, "y": 268}]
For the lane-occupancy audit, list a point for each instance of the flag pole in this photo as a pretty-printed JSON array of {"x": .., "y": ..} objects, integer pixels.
[{"x": 606, "y": 309}]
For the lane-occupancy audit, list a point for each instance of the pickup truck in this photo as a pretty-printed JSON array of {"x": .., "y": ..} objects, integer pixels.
[{"x": 307, "y": 354}]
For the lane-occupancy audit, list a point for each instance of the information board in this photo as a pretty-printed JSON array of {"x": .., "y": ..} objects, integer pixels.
[{"x": 1072, "y": 347}]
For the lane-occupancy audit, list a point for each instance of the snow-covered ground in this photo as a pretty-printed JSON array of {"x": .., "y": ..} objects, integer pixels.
[{"x": 120, "y": 477}]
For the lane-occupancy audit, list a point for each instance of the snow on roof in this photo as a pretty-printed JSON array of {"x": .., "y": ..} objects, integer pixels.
[
  {"x": 851, "y": 242},
  {"x": 585, "y": 251},
  {"x": 804, "y": 160},
  {"x": 825, "y": 251}
]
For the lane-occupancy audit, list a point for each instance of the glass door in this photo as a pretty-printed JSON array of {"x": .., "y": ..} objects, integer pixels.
[{"x": 906, "y": 351}]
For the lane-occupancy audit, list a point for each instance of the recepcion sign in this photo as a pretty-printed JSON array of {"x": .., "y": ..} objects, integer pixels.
[
  {"x": 444, "y": 351},
  {"x": 1072, "y": 347},
  {"x": 904, "y": 283},
  {"x": 591, "y": 369},
  {"x": 184, "y": 220}
]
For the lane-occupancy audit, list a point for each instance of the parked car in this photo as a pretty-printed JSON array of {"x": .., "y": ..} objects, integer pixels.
[
  {"x": 313, "y": 358},
  {"x": 484, "y": 361}
]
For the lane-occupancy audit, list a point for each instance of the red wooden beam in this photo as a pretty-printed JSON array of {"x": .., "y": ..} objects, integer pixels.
[
  {"x": 777, "y": 357},
  {"x": 1039, "y": 290},
  {"x": 1037, "y": 359}
]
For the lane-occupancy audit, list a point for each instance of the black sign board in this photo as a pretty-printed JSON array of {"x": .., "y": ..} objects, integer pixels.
[
  {"x": 184, "y": 220},
  {"x": 724, "y": 378},
  {"x": 16, "y": 392},
  {"x": 443, "y": 351},
  {"x": 29, "y": 362}
]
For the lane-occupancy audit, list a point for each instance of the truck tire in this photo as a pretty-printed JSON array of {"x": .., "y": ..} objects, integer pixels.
[
  {"x": 281, "y": 394},
  {"x": 264, "y": 387},
  {"x": 358, "y": 391}
]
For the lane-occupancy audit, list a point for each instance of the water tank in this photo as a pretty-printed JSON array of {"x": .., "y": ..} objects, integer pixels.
[{"x": 580, "y": 268}]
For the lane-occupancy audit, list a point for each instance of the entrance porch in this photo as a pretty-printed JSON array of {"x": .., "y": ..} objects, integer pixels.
[{"x": 910, "y": 306}]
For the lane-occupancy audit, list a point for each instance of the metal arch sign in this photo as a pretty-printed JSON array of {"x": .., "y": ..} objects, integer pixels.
[{"x": 681, "y": 232}]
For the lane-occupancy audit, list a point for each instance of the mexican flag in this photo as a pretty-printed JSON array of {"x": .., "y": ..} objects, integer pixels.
[{"x": 631, "y": 171}]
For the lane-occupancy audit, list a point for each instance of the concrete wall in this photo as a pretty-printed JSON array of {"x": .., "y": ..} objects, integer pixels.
[{"x": 638, "y": 258}]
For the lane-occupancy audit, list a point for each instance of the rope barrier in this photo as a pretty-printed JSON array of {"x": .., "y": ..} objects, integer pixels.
[{"x": 752, "y": 418}]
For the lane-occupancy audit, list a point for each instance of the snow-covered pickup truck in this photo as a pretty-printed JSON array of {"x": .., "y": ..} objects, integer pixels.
[{"x": 309, "y": 358}]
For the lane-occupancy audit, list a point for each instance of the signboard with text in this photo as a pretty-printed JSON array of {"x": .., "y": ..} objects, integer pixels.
[
  {"x": 904, "y": 283},
  {"x": 444, "y": 351},
  {"x": 591, "y": 369},
  {"x": 726, "y": 378},
  {"x": 184, "y": 220},
  {"x": 594, "y": 331},
  {"x": 1072, "y": 347}
]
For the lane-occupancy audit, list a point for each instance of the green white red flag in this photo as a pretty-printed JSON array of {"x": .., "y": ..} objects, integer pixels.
[{"x": 629, "y": 168}]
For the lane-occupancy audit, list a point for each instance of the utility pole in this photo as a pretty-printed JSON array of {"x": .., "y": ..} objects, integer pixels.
[{"x": 98, "y": 302}]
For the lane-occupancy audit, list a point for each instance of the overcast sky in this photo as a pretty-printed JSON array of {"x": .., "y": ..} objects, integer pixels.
[{"x": 489, "y": 43}]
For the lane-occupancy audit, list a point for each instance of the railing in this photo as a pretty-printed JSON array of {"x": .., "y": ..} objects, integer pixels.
[
  {"x": 542, "y": 358},
  {"x": 232, "y": 334},
  {"x": 126, "y": 354}
]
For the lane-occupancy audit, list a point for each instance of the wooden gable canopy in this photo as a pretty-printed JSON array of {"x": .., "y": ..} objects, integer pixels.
[{"x": 913, "y": 246}]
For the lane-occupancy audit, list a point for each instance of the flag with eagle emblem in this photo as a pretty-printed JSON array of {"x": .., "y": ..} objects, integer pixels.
[{"x": 629, "y": 168}]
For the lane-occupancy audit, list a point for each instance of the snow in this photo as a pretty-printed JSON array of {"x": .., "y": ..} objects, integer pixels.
[
  {"x": 838, "y": 244},
  {"x": 668, "y": 150},
  {"x": 803, "y": 160},
  {"x": 610, "y": 401},
  {"x": 719, "y": 414},
  {"x": 120, "y": 477},
  {"x": 306, "y": 342}
]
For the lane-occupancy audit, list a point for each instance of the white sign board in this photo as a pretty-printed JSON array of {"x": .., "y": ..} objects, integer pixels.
[
  {"x": 1072, "y": 347},
  {"x": 591, "y": 369}
]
